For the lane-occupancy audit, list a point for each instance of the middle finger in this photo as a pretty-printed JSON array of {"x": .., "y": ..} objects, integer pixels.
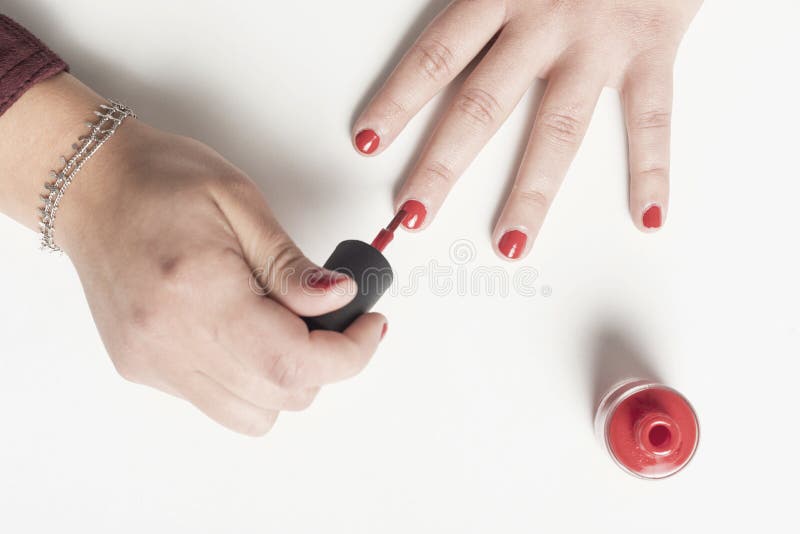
[{"x": 482, "y": 104}]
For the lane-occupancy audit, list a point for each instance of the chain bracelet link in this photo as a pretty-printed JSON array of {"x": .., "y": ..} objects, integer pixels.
[{"x": 109, "y": 118}]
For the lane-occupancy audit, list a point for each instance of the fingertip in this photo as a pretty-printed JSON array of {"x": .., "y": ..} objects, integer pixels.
[
  {"x": 258, "y": 427},
  {"x": 416, "y": 214},
  {"x": 317, "y": 279},
  {"x": 366, "y": 329},
  {"x": 315, "y": 291},
  {"x": 384, "y": 330},
  {"x": 366, "y": 332},
  {"x": 371, "y": 324}
]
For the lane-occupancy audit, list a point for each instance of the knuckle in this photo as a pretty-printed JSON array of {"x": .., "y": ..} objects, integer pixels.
[
  {"x": 438, "y": 174},
  {"x": 284, "y": 253},
  {"x": 285, "y": 371},
  {"x": 652, "y": 119},
  {"x": 479, "y": 107},
  {"x": 533, "y": 199},
  {"x": 435, "y": 59},
  {"x": 172, "y": 269},
  {"x": 177, "y": 275},
  {"x": 653, "y": 173},
  {"x": 647, "y": 24},
  {"x": 394, "y": 108},
  {"x": 145, "y": 316},
  {"x": 562, "y": 127}
]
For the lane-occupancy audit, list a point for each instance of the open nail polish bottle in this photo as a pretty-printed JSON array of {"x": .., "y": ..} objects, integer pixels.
[
  {"x": 650, "y": 430},
  {"x": 368, "y": 267}
]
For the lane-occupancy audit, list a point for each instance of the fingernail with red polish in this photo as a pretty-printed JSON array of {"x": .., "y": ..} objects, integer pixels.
[
  {"x": 652, "y": 217},
  {"x": 415, "y": 214},
  {"x": 383, "y": 331},
  {"x": 512, "y": 244},
  {"x": 324, "y": 280},
  {"x": 367, "y": 141}
]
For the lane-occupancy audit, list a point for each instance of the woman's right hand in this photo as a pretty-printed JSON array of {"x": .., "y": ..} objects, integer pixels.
[{"x": 166, "y": 236}]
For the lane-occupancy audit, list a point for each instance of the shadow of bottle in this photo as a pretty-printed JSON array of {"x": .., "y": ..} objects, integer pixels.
[{"x": 616, "y": 357}]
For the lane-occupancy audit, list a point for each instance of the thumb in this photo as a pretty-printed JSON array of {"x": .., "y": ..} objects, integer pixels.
[
  {"x": 289, "y": 277},
  {"x": 280, "y": 269}
]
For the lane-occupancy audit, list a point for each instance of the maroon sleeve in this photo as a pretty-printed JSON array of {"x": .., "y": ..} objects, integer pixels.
[{"x": 24, "y": 61}]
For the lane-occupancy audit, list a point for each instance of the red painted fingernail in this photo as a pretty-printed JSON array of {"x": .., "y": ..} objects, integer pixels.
[
  {"x": 385, "y": 328},
  {"x": 512, "y": 244},
  {"x": 652, "y": 217},
  {"x": 324, "y": 280},
  {"x": 367, "y": 141},
  {"x": 415, "y": 214}
]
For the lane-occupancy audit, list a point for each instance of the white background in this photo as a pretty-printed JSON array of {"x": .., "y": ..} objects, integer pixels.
[{"x": 475, "y": 415}]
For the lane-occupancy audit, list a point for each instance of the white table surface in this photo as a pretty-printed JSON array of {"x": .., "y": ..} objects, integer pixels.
[{"x": 475, "y": 415}]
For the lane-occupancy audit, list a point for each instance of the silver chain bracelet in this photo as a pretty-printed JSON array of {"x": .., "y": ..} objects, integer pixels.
[{"x": 109, "y": 118}]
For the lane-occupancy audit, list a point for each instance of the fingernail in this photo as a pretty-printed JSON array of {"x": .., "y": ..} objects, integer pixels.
[
  {"x": 415, "y": 214},
  {"x": 512, "y": 244},
  {"x": 367, "y": 141},
  {"x": 383, "y": 332},
  {"x": 324, "y": 280},
  {"x": 652, "y": 217}
]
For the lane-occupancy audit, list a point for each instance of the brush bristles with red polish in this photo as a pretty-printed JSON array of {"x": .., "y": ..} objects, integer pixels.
[{"x": 386, "y": 235}]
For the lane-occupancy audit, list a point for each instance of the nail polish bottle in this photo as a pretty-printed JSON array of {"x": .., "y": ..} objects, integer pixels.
[
  {"x": 369, "y": 268},
  {"x": 373, "y": 275},
  {"x": 650, "y": 430}
]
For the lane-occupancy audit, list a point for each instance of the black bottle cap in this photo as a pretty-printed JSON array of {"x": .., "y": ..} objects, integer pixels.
[{"x": 373, "y": 276}]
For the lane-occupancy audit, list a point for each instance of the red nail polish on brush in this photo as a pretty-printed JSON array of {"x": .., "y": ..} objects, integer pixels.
[
  {"x": 367, "y": 141},
  {"x": 649, "y": 429}
]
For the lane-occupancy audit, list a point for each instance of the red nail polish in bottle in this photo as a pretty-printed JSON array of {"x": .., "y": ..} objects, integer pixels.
[{"x": 650, "y": 430}]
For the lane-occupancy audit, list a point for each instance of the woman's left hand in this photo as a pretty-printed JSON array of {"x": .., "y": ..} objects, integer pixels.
[{"x": 580, "y": 46}]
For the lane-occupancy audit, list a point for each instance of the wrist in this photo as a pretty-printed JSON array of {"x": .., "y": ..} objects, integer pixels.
[
  {"x": 42, "y": 126},
  {"x": 92, "y": 203}
]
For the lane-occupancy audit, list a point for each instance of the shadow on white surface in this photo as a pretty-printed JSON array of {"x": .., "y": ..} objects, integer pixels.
[
  {"x": 616, "y": 357},
  {"x": 422, "y": 20},
  {"x": 185, "y": 101}
]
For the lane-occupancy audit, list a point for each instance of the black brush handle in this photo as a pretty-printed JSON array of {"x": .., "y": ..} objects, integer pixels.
[{"x": 373, "y": 276}]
